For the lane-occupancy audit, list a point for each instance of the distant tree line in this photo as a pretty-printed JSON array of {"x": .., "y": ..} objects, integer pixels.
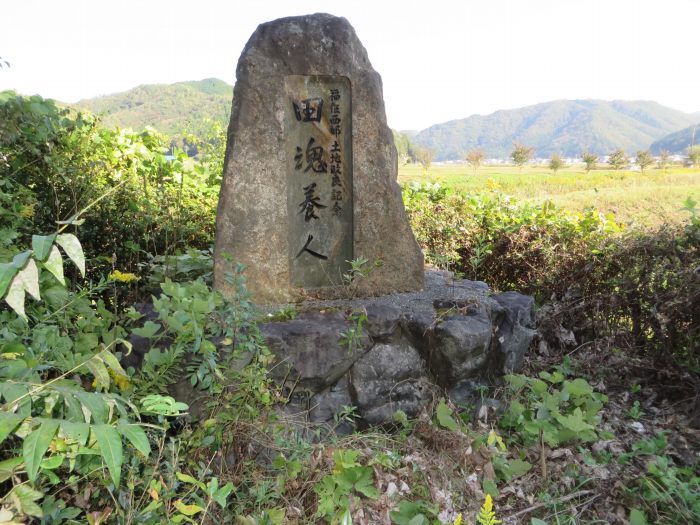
[{"x": 522, "y": 154}]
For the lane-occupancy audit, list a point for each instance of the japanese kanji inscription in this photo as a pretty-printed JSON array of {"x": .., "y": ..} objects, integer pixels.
[
  {"x": 318, "y": 127},
  {"x": 310, "y": 171}
]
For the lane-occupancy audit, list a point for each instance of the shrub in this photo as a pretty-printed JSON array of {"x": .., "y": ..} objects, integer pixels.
[
  {"x": 638, "y": 286},
  {"x": 54, "y": 161}
]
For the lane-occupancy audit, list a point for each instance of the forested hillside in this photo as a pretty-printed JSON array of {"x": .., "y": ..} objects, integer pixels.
[
  {"x": 566, "y": 127},
  {"x": 170, "y": 108},
  {"x": 677, "y": 142}
]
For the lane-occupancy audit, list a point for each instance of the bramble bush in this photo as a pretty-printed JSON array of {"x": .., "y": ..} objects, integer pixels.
[
  {"x": 54, "y": 161},
  {"x": 83, "y": 436},
  {"x": 641, "y": 287},
  {"x": 80, "y": 435}
]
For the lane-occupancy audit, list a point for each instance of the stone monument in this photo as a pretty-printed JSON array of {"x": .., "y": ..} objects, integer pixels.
[{"x": 310, "y": 171}]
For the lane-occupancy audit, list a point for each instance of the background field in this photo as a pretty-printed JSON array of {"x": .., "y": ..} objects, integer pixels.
[{"x": 647, "y": 199}]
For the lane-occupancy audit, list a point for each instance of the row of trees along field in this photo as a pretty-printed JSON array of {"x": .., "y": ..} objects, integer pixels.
[{"x": 521, "y": 155}]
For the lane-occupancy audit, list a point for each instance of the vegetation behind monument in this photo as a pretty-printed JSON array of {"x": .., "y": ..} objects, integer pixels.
[{"x": 635, "y": 291}]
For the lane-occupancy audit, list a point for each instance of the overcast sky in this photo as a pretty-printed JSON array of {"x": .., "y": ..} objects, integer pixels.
[{"x": 439, "y": 60}]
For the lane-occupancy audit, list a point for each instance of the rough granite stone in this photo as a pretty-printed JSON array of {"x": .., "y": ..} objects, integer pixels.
[
  {"x": 308, "y": 349},
  {"x": 461, "y": 347},
  {"x": 454, "y": 335},
  {"x": 388, "y": 378},
  {"x": 253, "y": 214},
  {"x": 516, "y": 330}
]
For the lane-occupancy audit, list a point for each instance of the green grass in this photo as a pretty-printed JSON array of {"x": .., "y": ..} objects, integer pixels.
[{"x": 647, "y": 199}]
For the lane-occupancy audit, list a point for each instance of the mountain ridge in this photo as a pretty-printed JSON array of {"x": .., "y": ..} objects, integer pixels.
[
  {"x": 679, "y": 141},
  {"x": 566, "y": 127},
  {"x": 561, "y": 126}
]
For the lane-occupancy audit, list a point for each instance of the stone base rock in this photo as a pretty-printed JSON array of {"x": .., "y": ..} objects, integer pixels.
[{"x": 455, "y": 335}]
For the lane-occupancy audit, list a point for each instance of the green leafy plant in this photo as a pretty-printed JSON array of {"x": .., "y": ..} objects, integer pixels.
[
  {"x": 635, "y": 411},
  {"x": 359, "y": 269},
  {"x": 552, "y": 408},
  {"x": 414, "y": 513},
  {"x": 352, "y": 337},
  {"x": 671, "y": 494},
  {"x": 348, "y": 479},
  {"x": 445, "y": 416}
]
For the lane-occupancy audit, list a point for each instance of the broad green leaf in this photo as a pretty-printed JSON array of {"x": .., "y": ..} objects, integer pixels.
[
  {"x": 110, "y": 443},
  {"x": 9, "y": 422},
  {"x": 24, "y": 497},
  {"x": 52, "y": 462},
  {"x": 537, "y": 521},
  {"x": 444, "y": 416},
  {"x": 112, "y": 362},
  {"x": 15, "y": 298},
  {"x": 574, "y": 422},
  {"x": 516, "y": 381},
  {"x": 36, "y": 444},
  {"x": 19, "y": 260},
  {"x": 55, "y": 296},
  {"x": 365, "y": 483},
  {"x": 75, "y": 431},
  {"x": 41, "y": 244},
  {"x": 637, "y": 517},
  {"x": 94, "y": 406},
  {"x": 186, "y": 478},
  {"x": 222, "y": 494},
  {"x": 85, "y": 343},
  {"x": 187, "y": 510},
  {"x": 7, "y": 272},
  {"x": 30, "y": 279},
  {"x": 136, "y": 436},
  {"x": 54, "y": 264},
  {"x": 71, "y": 245},
  {"x": 98, "y": 369},
  {"x": 518, "y": 467},
  {"x": 7, "y": 468},
  {"x": 538, "y": 386},
  {"x": 11, "y": 392},
  {"x": 490, "y": 487},
  {"x": 148, "y": 330},
  {"x": 578, "y": 387}
]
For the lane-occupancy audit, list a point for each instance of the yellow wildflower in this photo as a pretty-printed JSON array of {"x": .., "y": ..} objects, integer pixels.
[
  {"x": 27, "y": 211},
  {"x": 492, "y": 185},
  {"x": 123, "y": 277},
  {"x": 486, "y": 514}
]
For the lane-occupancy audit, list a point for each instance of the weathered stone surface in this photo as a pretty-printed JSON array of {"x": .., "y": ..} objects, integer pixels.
[
  {"x": 454, "y": 335},
  {"x": 388, "y": 378},
  {"x": 308, "y": 349},
  {"x": 382, "y": 320},
  {"x": 516, "y": 330},
  {"x": 461, "y": 347},
  {"x": 255, "y": 204},
  {"x": 330, "y": 401}
]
